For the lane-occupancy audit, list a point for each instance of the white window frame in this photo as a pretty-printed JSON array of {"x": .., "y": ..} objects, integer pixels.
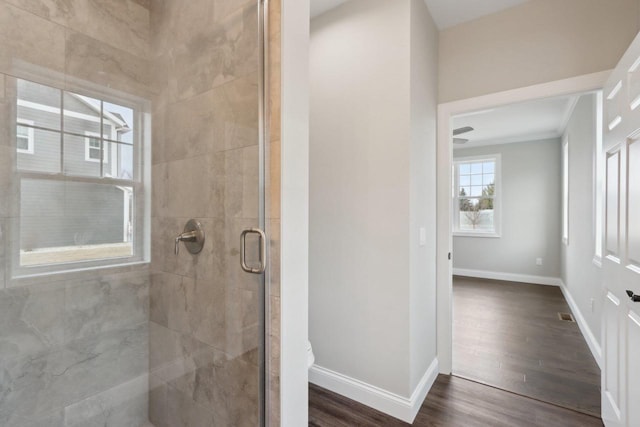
[
  {"x": 497, "y": 197},
  {"x": 87, "y": 147},
  {"x": 31, "y": 139},
  {"x": 565, "y": 190},
  {"x": 140, "y": 183}
]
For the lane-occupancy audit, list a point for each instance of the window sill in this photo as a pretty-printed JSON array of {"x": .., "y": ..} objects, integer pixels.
[
  {"x": 490, "y": 235},
  {"x": 92, "y": 272}
]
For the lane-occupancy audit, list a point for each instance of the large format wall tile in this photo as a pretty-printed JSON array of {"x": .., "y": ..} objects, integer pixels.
[
  {"x": 106, "y": 66},
  {"x": 6, "y": 174},
  {"x": 31, "y": 321},
  {"x": 5, "y": 114},
  {"x": 73, "y": 351},
  {"x": 123, "y": 405},
  {"x": 236, "y": 107},
  {"x": 188, "y": 127},
  {"x": 41, "y": 43},
  {"x": 53, "y": 419},
  {"x": 108, "y": 304},
  {"x": 38, "y": 384},
  {"x": 222, "y": 53},
  {"x": 273, "y": 206},
  {"x": 4, "y": 240},
  {"x": 120, "y": 23},
  {"x": 108, "y": 359},
  {"x": 204, "y": 308},
  {"x": 204, "y": 376}
]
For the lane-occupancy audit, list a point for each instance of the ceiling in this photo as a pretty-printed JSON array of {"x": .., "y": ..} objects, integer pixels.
[
  {"x": 541, "y": 119},
  {"x": 446, "y": 13},
  {"x": 319, "y": 7}
]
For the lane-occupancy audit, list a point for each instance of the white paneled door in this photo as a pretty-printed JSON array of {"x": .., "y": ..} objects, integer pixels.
[{"x": 621, "y": 263}]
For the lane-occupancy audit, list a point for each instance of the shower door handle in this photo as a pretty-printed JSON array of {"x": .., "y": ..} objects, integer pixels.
[{"x": 263, "y": 251}]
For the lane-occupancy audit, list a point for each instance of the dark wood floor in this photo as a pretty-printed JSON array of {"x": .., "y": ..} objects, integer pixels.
[
  {"x": 452, "y": 402},
  {"x": 508, "y": 335}
]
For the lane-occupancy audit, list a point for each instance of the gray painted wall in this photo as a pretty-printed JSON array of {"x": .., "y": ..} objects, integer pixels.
[
  {"x": 359, "y": 192},
  {"x": 424, "y": 92},
  {"x": 372, "y": 185},
  {"x": 531, "y": 213},
  {"x": 579, "y": 273}
]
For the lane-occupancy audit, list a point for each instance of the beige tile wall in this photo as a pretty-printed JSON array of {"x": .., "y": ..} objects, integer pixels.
[
  {"x": 273, "y": 209},
  {"x": 198, "y": 64},
  {"x": 204, "y": 308},
  {"x": 73, "y": 347}
]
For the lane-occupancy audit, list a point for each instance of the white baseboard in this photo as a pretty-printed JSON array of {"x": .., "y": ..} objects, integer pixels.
[
  {"x": 384, "y": 401},
  {"x": 591, "y": 340},
  {"x": 509, "y": 277}
]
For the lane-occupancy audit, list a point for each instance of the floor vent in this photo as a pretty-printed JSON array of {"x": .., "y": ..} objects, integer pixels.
[{"x": 567, "y": 317}]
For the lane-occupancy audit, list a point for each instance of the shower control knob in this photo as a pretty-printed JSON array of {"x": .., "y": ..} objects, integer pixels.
[{"x": 192, "y": 236}]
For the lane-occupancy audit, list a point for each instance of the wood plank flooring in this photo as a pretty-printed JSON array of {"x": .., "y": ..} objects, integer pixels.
[
  {"x": 508, "y": 335},
  {"x": 452, "y": 402}
]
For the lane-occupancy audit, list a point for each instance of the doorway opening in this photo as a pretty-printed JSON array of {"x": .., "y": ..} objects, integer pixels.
[{"x": 524, "y": 219}]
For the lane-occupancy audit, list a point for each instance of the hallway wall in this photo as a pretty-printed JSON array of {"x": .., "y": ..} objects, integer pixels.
[
  {"x": 359, "y": 192},
  {"x": 535, "y": 42},
  {"x": 372, "y": 186},
  {"x": 580, "y": 275}
]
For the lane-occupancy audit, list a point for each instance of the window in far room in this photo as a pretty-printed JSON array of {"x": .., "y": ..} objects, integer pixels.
[
  {"x": 565, "y": 191},
  {"x": 476, "y": 196}
]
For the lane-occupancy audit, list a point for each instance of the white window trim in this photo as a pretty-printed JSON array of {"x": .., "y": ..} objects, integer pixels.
[
  {"x": 565, "y": 190},
  {"x": 31, "y": 139},
  {"x": 88, "y": 148},
  {"x": 497, "y": 198},
  {"x": 141, "y": 207}
]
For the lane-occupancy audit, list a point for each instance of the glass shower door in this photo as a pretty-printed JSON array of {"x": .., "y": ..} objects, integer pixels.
[
  {"x": 206, "y": 319},
  {"x": 119, "y": 123}
]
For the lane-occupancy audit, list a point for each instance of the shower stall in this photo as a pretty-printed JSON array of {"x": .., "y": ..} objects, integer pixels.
[{"x": 134, "y": 201}]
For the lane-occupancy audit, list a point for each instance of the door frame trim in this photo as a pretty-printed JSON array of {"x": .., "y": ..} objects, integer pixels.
[{"x": 444, "y": 239}]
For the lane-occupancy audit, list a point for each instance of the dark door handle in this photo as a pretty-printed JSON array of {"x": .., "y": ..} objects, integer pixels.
[{"x": 634, "y": 298}]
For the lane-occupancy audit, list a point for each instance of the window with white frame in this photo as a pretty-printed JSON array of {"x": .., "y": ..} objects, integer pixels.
[
  {"x": 87, "y": 163},
  {"x": 476, "y": 196},
  {"x": 24, "y": 136},
  {"x": 565, "y": 191}
]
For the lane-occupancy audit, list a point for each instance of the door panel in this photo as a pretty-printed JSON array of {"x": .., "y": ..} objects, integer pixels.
[
  {"x": 633, "y": 203},
  {"x": 621, "y": 266},
  {"x": 613, "y": 203},
  {"x": 612, "y": 381}
]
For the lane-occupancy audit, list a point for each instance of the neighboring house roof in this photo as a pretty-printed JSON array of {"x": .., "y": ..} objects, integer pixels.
[{"x": 117, "y": 119}]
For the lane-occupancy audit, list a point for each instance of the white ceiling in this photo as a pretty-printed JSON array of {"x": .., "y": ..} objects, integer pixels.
[
  {"x": 542, "y": 119},
  {"x": 319, "y": 7},
  {"x": 446, "y": 13}
]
